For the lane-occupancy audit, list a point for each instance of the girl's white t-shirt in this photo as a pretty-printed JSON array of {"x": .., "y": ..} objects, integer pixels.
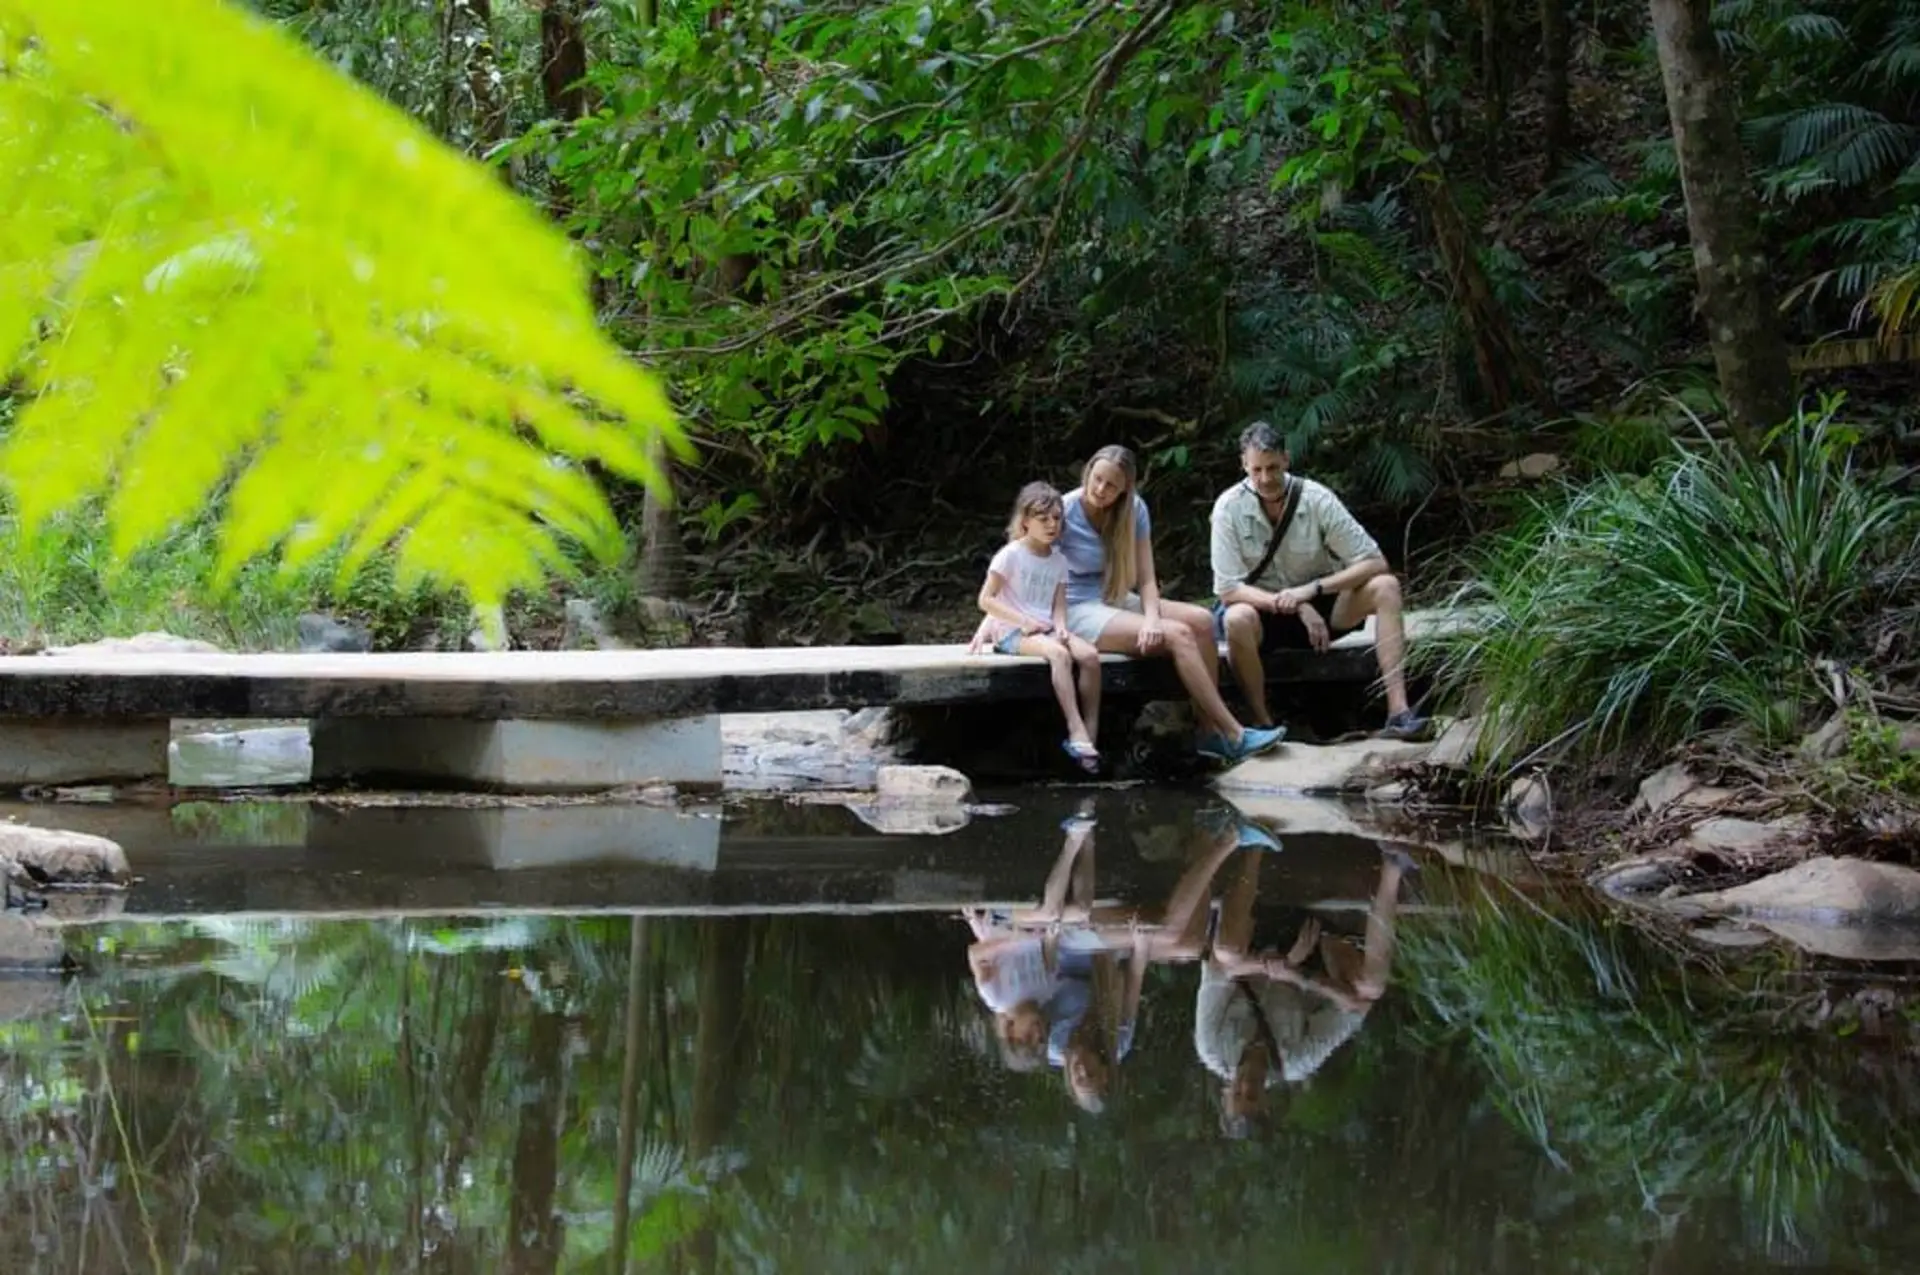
[
  {"x": 1031, "y": 579},
  {"x": 1019, "y": 973}
]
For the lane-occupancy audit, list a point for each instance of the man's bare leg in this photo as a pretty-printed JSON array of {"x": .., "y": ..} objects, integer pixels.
[
  {"x": 1380, "y": 598},
  {"x": 1364, "y": 974},
  {"x": 1244, "y": 632}
]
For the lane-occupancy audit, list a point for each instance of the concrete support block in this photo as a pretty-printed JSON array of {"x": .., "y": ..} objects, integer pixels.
[
  {"x": 78, "y": 751},
  {"x": 520, "y": 756}
]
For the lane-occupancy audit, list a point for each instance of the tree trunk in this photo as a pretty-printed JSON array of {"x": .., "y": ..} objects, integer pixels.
[
  {"x": 534, "y": 1237},
  {"x": 1735, "y": 292},
  {"x": 1506, "y": 370},
  {"x": 719, "y": 1046},
  {"x": 483, "y": 79},
  {"x": 563, "y": 59},
  {"x": 662, "y": 567},
  {"x": 1493, "y": 76},
  {"x": 1556, "y": 52}
]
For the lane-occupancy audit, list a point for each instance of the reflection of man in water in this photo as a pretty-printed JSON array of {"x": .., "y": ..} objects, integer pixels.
[{"x": 1260, "y": 1018}]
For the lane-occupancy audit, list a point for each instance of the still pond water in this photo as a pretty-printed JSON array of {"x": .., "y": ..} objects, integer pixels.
[{"x": 335, "y": 1059}]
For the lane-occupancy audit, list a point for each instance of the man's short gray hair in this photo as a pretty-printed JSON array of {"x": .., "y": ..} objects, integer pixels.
[{"x": 1261, "y": 437}]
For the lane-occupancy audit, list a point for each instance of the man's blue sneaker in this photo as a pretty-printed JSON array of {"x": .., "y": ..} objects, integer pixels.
[{"x": 1405, "y": 725}]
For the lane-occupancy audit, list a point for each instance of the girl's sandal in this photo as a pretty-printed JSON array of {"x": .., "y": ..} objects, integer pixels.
[{"x": 1085, "y": 756}]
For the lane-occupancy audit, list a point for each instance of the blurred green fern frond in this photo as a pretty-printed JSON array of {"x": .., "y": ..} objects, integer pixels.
[{"x": 230, "y": 277}]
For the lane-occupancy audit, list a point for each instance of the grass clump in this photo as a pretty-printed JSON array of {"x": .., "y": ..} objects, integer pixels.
[{"x": 1645, "y": 609}]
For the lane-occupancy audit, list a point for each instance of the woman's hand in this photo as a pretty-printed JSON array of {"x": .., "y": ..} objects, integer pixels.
[
  {"x": 1152, "y": 637},
  {"x": 1029, "y": 625}
]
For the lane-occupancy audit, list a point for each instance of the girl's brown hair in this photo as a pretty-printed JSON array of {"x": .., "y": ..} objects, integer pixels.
[
  {"x": 1115, "y": 524},
  {"x": 1034, "y": 499}
]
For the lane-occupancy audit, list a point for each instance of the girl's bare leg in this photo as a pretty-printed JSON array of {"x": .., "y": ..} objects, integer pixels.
[
  {"x": 1060, "y": 670},
  {"x": 1086, "y": 658}
]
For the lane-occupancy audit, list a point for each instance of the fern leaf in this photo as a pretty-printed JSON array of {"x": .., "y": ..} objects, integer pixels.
[
  {"x": 1815, "y": 28},
  {"x": 228, "y": 275}
]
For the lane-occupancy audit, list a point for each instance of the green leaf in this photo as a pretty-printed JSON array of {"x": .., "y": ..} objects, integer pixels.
[{"x": 252, "y": 270}]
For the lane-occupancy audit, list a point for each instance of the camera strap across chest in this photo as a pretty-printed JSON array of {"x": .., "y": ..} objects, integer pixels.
[{"x": 1289, "y": 506}]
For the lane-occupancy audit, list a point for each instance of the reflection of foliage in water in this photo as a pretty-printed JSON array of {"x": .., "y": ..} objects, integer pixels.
[
  {"x": 242, "y": 823},
  {"x": 1654, "y": 1081},
  {"x": 813, "y": 1094}
]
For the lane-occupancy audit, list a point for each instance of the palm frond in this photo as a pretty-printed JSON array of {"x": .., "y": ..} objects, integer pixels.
[{"x": 227, "y": 274}]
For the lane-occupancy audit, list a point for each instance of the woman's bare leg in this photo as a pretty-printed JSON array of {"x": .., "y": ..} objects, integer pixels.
[
  {"x": 1183, "y": 922},
  {"x": 1235, "y": 939},
  {"x": 1200, "y": 678}
]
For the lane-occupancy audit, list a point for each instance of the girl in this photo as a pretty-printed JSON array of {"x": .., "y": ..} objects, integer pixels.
[
  {"x": 1025, "y": 598},
  {"x": 1113, "y": 600}
]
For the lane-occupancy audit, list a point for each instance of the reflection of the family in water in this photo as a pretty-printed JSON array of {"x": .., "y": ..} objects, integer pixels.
[{"x": 1062, "y": 979}]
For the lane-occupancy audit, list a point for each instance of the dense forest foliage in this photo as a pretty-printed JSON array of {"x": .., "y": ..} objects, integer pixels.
[
  {"x": 895, "y": 258},
  {"x": 891, "y": 260}
]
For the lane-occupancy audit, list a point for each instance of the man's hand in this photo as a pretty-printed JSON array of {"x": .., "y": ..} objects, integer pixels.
[
  {"x": 1289, "y": 601},
  {"x": 1316, "y": 626}
]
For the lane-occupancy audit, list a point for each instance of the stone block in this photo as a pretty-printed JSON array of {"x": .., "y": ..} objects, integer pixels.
[
  {"x": 520, "y": 756},
  {"x": 72, "y": 751}
]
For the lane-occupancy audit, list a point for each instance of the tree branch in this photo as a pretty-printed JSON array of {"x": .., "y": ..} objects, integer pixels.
[{"x": 1008, "y": 207}]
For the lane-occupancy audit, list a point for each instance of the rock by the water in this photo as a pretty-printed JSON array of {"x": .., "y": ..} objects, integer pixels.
[
  {"x": 1456, "y": 745},
  {"x": 917, "y": 801},
  {"x": 323, "y": 633},
  {"x": 929, "y": 785},
  {"x": 1529, "y": 808},
  {"x": 154, "y": 643},
  {"x": 1827, "y": 743},
  {"x": 1321, "y": 768},
  {"x": 828, "y": 748},
  {"x": 1824, "y": 889},
  {"x": 26, "y": 947},
  {"x": 912, "y": 819},
  {"x": 1664, "y": 787},
  {"x": 320, "y": 633},
  {"x": 1744, "y": 836},
  {"x": 33, "y": 856},
  {"x": 1533, "y": 466},
  {"x": 1642, "y": 877}
]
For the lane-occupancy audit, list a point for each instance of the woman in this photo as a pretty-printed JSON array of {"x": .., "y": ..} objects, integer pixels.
[{"x": 1113, "y": 599}]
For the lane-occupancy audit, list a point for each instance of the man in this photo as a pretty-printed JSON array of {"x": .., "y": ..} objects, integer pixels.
[{"x": 1321, "y": 580}]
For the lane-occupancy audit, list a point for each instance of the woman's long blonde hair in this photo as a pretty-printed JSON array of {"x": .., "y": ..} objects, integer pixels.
[{"x": 1115, "y": 524}]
